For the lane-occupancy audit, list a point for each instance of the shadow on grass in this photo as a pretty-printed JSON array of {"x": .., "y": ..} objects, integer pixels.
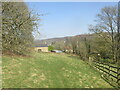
[{"x": 75, "y": 57}]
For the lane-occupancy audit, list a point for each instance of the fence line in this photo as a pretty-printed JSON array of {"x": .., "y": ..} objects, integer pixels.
[{"x": 110, "y": 73}]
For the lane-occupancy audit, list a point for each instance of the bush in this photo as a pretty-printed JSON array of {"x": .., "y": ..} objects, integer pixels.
[{"x": 50, "y": 48}]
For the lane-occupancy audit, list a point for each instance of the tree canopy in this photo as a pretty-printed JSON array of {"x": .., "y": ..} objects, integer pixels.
[{"x": 18, "y": 24}]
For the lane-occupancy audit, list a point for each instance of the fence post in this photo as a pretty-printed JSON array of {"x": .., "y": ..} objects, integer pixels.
[
  {"x": 109, "y": 71},
  {"x": 118, "y": 76}
]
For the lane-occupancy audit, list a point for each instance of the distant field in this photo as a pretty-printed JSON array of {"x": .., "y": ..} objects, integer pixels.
[{"x": 49, "y": 70}]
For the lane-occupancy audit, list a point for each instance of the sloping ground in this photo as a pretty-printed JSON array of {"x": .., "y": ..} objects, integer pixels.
[{"x": 49, "y": 70}]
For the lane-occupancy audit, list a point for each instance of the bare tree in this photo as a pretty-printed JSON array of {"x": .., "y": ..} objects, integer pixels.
[{"x": 107, "y": 27}]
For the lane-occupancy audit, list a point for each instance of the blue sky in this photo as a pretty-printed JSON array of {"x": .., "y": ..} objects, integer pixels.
[{"x": 66, "y": 18}]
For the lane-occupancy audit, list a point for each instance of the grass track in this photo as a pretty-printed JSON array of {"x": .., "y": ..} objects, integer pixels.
[{"x": 49, "y": 70}]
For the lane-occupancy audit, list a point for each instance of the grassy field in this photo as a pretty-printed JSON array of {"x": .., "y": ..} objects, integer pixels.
[{"x": 49, "y": 70}]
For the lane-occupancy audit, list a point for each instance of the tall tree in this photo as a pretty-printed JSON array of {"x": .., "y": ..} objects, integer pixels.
[
  {"x": 18, "y": 23},
  {"x": 107, "y": 27}
]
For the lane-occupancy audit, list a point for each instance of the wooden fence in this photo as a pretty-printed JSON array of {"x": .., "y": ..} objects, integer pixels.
[{"x": 111, "y": 73}]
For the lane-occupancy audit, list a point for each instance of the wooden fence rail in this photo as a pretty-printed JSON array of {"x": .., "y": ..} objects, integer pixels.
[{"x": 109, "y": 72}]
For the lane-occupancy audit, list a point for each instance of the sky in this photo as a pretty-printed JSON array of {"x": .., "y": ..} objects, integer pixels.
[{"x": 66, "y": 18}]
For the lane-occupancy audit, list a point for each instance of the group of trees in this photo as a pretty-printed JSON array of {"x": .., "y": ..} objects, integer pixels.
[
  {"x": 107, "y": 29},
  {"x": 102, "y": 43},
  {"x": 18, "y": 25},
  {"x": 79, "y": 45}
]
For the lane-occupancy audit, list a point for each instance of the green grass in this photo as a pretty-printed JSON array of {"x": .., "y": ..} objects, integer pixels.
[{"x": 49, "y": 70}]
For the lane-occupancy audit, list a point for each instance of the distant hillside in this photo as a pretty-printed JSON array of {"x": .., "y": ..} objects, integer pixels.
[{"x": 53, "y": 40}]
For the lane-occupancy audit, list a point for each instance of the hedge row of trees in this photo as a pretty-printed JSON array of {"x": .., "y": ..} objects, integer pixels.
[
  {"x": 18, "y": 25},
  {"x": 103, "y": 42}
]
